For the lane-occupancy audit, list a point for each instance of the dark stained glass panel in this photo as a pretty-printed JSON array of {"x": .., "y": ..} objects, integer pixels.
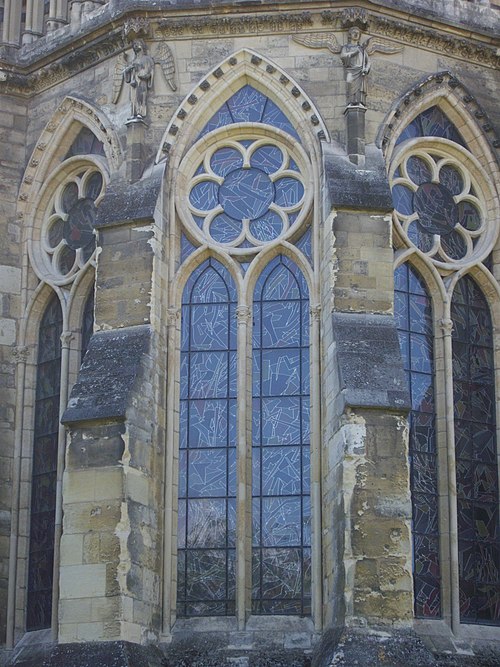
[
  {"x": 249, "y": 105},
  {"x": 476, "y": 456},
  {"x": 413, "y": 314},
  {"x": 281, "y": 443},
  {"x": 85, "y": 143},
  {"x": 43, "y": 487},
  {"x": 87, "y": 322},
  {"x": 207, "y": 456}
]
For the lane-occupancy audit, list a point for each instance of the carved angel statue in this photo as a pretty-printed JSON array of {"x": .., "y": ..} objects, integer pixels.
[
  {"x": 354, "y": 56},
  {"x": 139, "y": 74}
]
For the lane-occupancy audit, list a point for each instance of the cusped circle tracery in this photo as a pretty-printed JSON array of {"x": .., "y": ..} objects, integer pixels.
[
  {"x": 68, "y": 241},
  {"x": 243, "y": 193},
  {"x": 437, "y": 206}
]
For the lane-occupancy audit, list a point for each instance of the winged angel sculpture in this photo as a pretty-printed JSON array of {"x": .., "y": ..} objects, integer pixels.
[
  {"x": 355, "y": 58},
  {"x": 139, "y": 74}
]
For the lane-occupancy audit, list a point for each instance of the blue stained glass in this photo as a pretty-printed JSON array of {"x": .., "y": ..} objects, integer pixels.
[
  {"x": 207, "y": 460},
  {"x": 267, "y": 158},
  {"x": 418, "y": 170},
  {"x": 246, "y": 194},
  {"x": 224, "y": 229},
  {"x": 187, "y": 248},
  {"x": 249, "y": 105},
  {"x": 289, "y": 191},
  {"x": 225, "y": 160},
  {"x": 275, "y": 117},
  {"x": 451, "y": 179},
  {"x": 209, "y": 326},
  {"x": 413, "y": 313},
  {"x": 280, "y": 437},
  {"x": 403, "y": 199},
  {"x": 305, "y": 244},
  {"x": 268, "y": 227},
  {"x": 280, "y": 372},
  {"x": 221, "y": 118},
  {"x": 281, "y": 326},
  {"x": 204, "y": 195},
  {"x": 431, "y": 123},
  {"x": 44, "y": 473}
]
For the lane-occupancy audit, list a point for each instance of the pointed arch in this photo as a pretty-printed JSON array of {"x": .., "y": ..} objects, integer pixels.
[
  {"x": 73, "y": 114},
  {"x": 475, "y": 442},
  {"x": 243, "y": 67},
  {"x": 446, "y": 92}
]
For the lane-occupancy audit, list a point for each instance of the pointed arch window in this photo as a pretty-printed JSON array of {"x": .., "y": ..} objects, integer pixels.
[
  {"x": 245, "y": 435},
  {"x": 413, "y": 310},
  {"x": 443, "y": 215},
  {"x": 476, "y": 455},
  {"x": 44, "y": 475}
]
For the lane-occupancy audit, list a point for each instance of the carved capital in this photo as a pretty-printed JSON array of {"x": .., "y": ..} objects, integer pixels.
[
  {"x": 173, "y": 316},
  {"x": 20, "y": 354},
  {"x": 315, "y": 312},
  {"x": 243, "y": 314},
  {"x": 66, "y": 338},
  {"x": 446, "y": 325}
]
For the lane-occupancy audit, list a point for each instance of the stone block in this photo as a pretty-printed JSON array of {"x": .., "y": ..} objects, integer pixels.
[{"x": 82, "y": 581}]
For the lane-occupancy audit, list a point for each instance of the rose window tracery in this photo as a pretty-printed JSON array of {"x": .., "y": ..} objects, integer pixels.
[
  {"x": 245, "y": 192},
  {"x": 68, "y": 239},
  {"x": 437, "y": 207}
]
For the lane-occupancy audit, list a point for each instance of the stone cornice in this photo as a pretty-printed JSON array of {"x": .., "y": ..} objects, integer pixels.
[{"x": 39, "y": 68}]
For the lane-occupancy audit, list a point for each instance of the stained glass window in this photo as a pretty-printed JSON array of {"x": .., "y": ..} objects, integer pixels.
[
  {"x": 87, "y": 322},
  {"x": 246, "y": 192},
  {"x": 436, "y": 205},
  {"x": 249, "y": 105},
  {"x": 431, "y": 123},
  {"x": 43, "y": 487},
  {"x": 413, "y": 311},
  {"x": 68, "y": 231},
  {"x": 207, "y": 457},
  {"x": 476, "y": 456},
  {"x": 85, "y": 143},
  {"x": 281, "y": 439}
]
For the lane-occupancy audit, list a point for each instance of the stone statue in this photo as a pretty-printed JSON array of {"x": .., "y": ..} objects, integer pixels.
[
  {"x": 354, "y": 56},
  {"x": 139, "y": 75}
]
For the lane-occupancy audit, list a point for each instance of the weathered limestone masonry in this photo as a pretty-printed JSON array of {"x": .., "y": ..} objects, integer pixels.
[
  {"x": 142, "y": 79},
  {"x": 12, "y": 357}
]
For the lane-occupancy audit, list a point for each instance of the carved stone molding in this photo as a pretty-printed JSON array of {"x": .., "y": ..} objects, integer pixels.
[
  {"x": 443, "y": 80},
  {"x": 235, "y": 25},
  {"x": 412, "y": 34},
  {"x": 20, "y": 354},
  {"x": 61, "y": 69},
  {"x": 315, "y": 313},
  {"x": 66, "y": 338},
  {"x": 446, "y": 326},
  {"x": 137, "y": 26},
  {"x": 173, "y": 316},
  {"x": 243, "y": 314}
]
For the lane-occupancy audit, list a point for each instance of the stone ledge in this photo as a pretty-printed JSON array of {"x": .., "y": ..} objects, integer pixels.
[
  {"x": 108, "y": 375},
  {"x": 370, "y": 364}
]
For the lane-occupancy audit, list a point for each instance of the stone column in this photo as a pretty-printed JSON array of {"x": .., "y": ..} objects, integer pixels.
[
  {"x": 12, "y": 23},
  {"x": 58, "y": 14},
  {"x": 33, "y": 26},
  {"x": 244, "y": 497},
  {"x": 447, "y": 330}
]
